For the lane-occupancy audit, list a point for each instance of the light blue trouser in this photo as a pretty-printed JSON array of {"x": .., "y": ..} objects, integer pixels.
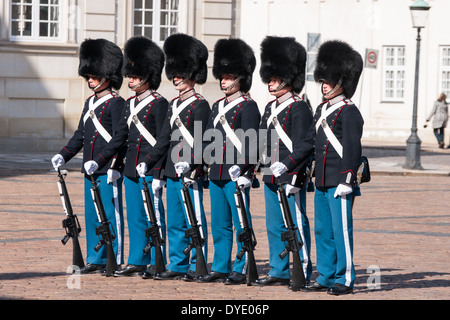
[
  {"x": 111, "y": 195},
  {"x": 224, "y": 216},
  {"x": 178, "y": 223},
  {"x": 138, "y": 221},
  {"x": 334, "y": 238},
  {"x": 275, "y": 227}
]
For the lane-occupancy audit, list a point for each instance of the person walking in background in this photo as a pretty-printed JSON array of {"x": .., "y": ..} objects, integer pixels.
[{"x": 439, "y": 113}]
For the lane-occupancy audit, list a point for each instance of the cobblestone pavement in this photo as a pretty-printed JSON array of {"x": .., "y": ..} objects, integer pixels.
[{"x": 401, "y": 238}]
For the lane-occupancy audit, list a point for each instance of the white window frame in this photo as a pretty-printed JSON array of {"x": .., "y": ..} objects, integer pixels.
[
  {"x": 156, "y": 14},
  {"x": 444, "y": 71},
  {"x": 394, "y": 70},
  {"x": 314, "y": 40},
  {"x": 35, "y": 21}
]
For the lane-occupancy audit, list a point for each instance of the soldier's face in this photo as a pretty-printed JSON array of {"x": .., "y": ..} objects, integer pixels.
[
  {"x": 95, "y": 83},
  {"x": 229, "y": 84},
  {"x": 277, "y": 88},
  {"x": 183, "y": 85},
  {"x": 134, "y": 83},
  {"x": 328, "y": 92}
]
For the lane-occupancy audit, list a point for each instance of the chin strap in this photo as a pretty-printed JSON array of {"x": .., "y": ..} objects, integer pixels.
[
  {"x": 231, "y": 86},
  {"x": 99, "y": 85},
  {"x": 138, "y": 85},
  {"x": 336, "y": 88},
  {"x": 280, "y": 87},
  {"x": 176, "y": 85}
]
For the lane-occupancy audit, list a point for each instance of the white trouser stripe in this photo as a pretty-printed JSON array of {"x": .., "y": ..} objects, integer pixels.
[
  {"x": 118, "y": 223},
  {"x": 301, "y": 231},
  {"x": 244, "y": 268},
  {"x": 348, "y": 253},
  {"x": 157, "y": 212}
]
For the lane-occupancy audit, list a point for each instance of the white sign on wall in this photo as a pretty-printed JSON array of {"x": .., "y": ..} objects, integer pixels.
[{"x": 371, "y": 59}]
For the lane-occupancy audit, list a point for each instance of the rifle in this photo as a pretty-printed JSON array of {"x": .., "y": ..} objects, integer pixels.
[
  {"x": 246, "y": 237},
  {"x": 71, "y": 223},
  {"x": 154, "y": 232},
  {"x": 104, "y": 231},
  {"x": 194, "y": 233},
  {"x": 291, "y": 241}
]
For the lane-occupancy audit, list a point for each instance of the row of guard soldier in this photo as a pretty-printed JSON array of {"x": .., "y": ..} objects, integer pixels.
[{"x": 167, "y": 143}]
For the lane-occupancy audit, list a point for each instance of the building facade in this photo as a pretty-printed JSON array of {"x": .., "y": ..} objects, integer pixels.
[{"x": 41, "y": 94}]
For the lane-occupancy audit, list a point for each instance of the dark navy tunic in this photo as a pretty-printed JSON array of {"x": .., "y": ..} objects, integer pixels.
[
  {"x": 88, "y": 138},
  {"x": 244, "y": 115},
  {"x": 346, "y": 123},
  {"x": 295, "y": 119},
  {"x": 152, "y": 117},
  {"x": 173, "y": 145}
]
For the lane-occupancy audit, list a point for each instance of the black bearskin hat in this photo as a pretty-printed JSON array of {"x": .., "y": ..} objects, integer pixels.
[
  {"x": 337, "y": 61},
  {"x": 284, "y": 58},
  {"x": 234, "y": 56},
  {"x": 186, "y": 57},
  {"x": 103, "y": 59},
  {"x": 143, "y": 59}
]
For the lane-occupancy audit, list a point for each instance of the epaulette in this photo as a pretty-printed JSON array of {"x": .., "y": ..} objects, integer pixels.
[
  {"x": 247, "y": 97},
  {"x": 199, "y": 96},
  {"x": 157, "y": 95},
  {"x": 349, "y": 102}
]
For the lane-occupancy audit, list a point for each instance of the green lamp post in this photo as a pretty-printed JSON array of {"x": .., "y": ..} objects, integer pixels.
[{"x": 419, "y": 14}]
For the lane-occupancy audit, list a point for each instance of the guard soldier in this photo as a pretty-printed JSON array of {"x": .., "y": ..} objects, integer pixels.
[
  {"x": 100, "y": 64},
  {"x": 140, "y": 126},
  {"x": 337, "y": 129},
  {"x": 187, "y": 114},
  {"x": 286, "y": 120},
  {"x": 233, "y": 118}
]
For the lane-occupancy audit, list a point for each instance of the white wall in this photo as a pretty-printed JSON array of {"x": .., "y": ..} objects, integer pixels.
[
  {"x": 41, "y": 94},
  {"x": 364, "y": 24}
]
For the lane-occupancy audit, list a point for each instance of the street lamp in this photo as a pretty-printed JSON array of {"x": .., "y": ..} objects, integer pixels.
[{"x": 419, "y": 14}]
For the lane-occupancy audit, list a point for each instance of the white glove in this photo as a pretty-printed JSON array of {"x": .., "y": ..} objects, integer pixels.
[
  {"x": 141, "y": 169},
  {"x": 244, "y": 182},
  {"x": 290, "y": 189},
  {"x": 278, "y": 169},
  {"x": 113, "y": 175},
  {"x": 90, "y": 167},
  {"x": 234, "y": 172},
  {"x": 342, "y": 190},
  {"x": 189, "y": 182},
  {"x": 157, "y": 184},
  {"x": 57, "y": 161},
  {"x": 181, "y": 168}
]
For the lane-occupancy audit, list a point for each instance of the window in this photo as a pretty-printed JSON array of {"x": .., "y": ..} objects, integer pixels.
[
  {"x": 313, "y": 48},
  {"x": 394, "y": 74},
  {"x": 35, "y": 20},
  {"x": 444, "y": 66},
  {"x": 156, "y": 19}
]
